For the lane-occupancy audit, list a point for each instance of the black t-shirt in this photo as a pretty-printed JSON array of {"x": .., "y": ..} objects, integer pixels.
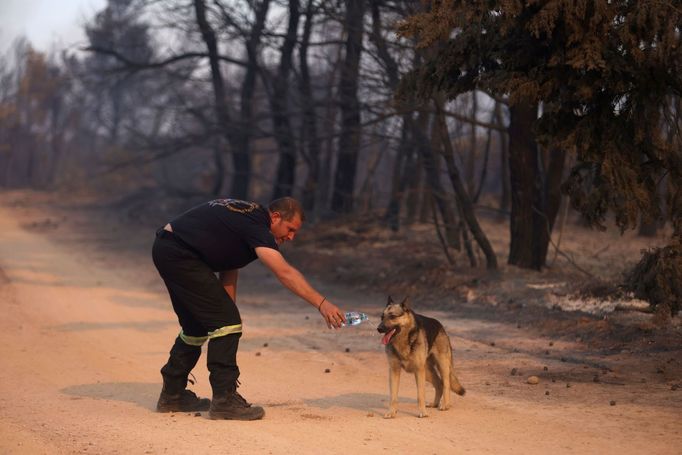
[{"x": 225, "y": 232}]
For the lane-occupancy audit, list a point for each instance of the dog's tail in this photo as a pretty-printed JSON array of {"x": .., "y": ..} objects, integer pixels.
[{"x": 455, "y": 385}]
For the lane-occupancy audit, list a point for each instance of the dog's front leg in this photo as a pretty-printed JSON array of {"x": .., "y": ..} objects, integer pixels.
[
  {"x": 420, "y": 376},
  {"x": 394, "y": 383}
]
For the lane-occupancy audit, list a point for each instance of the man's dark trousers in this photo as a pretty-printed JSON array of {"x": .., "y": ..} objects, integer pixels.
[{"x": 205, "y": 312}]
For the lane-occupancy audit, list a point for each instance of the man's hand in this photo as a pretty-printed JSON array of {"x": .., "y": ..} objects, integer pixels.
[{"x": 331, "y": 314}]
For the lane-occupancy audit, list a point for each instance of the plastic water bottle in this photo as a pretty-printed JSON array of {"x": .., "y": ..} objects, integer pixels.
[{"x": 355, "y": 318}]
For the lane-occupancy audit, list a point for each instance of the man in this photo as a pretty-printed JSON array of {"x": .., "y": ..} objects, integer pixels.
[{"x": 222, "y": 236}]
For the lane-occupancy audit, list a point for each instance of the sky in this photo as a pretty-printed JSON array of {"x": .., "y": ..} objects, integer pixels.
[{"x": 45, "y": 22}]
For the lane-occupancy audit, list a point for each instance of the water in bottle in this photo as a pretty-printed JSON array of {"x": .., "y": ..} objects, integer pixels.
[{"x": 354, "y": 318}]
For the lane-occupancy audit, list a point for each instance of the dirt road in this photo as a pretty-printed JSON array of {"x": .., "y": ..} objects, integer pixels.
[{"x": 84, "y": 333}]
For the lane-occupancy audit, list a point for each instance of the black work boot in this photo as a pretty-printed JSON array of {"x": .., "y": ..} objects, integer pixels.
[
  {"x": 183, "y": 401},
  {"x": 233, "y": 406},
  {"x": 174, "y": 395}
]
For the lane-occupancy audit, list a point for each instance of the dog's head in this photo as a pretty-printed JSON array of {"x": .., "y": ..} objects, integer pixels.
[{"x": 394, "y": 317}]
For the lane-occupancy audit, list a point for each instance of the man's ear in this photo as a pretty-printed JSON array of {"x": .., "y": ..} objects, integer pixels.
[{"x": 274, "y": 216}]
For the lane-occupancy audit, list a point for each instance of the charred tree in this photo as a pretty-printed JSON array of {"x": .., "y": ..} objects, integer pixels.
[
  {"x": 429, "y": 161},
  {"x": 279, "y": 102},
  {"x": 535, "y": 192},
  {"x": 349, "y": 136},
  {"x": 465, "y": 205},
  {"x": 527, "y": 227},
  {"x": 243, "y": 135},
  {"x": 402, "y": 169},
  {"x": 310, "y": 143},
  {"x": 241, "y": 165}
]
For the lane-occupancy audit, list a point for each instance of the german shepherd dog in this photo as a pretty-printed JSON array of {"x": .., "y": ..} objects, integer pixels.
[{"x": 419, "y": 345}]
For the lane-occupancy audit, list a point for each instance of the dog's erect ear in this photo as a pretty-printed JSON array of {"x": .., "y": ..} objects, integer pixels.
[
  {"x": 390, "y": 301},
  {"x": 405, "y": 304}
]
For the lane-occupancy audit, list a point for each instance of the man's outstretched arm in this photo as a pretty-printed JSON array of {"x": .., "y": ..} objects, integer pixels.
[{"x": 294, "y": 280}]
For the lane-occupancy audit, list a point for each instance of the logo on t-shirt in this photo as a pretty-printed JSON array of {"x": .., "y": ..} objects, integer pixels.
[{"x": 235, "y": 205}]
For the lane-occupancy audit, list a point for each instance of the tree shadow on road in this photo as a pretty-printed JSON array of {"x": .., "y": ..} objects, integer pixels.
[
  {"x": 143, "y": 394},
  {"x": 143, "y": 326},
  {"x": 368, "y": 402}
]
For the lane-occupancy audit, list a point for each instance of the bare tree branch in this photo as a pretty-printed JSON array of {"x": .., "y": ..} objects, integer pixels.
[{"x": 130, "y": 65}]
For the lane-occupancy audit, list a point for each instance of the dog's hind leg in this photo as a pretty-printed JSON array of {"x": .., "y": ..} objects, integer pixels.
[
  {"x": 444, "y": 367},
  {"x": 433, "y": 377}
]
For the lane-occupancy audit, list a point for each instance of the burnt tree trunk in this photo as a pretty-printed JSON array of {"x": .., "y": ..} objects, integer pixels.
[
  {"x": 349, "y": 138},
  {"x": 402, "y": 167},
  {"x": 404, "y": 162},
  {"x": 414, "y": 191},
  {"x": 310, "y": 141},
  {"x": 463, "y": 199},
  {"x": 486, "y": 158},
  {"x": 552, "y": 187},
  {"x": 535, "y": 195},
  {"x": 472, "y": 156},
  {"x": 505, "y": 197},
  {"x": 220, "y": 98},
  {"x": 242, "y": 135},
  {"x": 433, "y": 181},
  {"x": 647, "y": 228},
  {"x": 526, "y": 189},
  {"x": 56, "y": 139},
  {"x": 325, "y": 186},
  {"x": 281, "y": 123}
]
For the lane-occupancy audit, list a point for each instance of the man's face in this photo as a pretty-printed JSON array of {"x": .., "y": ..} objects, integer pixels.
[{"x": 284, "y": 230}]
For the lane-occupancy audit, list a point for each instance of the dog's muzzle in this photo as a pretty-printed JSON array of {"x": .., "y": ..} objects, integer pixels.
[{"x": 388, "y": 333}]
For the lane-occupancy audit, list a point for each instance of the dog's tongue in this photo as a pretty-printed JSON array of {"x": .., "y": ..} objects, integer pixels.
[{"x": 386, "y": 338}]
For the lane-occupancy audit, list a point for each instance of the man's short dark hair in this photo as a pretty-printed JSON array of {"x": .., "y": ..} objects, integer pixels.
[{"x": 288, "y": 207}]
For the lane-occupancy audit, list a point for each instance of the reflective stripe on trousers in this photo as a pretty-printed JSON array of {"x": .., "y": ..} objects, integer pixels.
[{"x": 222, "y": 331}]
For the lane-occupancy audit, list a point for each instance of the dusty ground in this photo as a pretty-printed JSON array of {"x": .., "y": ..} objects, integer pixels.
[{"x": 85, "y": 326}]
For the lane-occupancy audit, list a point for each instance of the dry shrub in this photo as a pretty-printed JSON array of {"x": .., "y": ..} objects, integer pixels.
[{"x": 657, "y": 278}]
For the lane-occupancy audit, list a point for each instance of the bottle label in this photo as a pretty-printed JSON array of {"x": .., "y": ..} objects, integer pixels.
[{"x": 355, "y": 318}]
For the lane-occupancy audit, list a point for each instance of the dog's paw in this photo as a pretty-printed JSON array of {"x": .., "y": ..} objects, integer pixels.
[
  {"x": 432, "y": 405},
  {"x": 422, "y": 414},
  {"x": 390, "y": 414},
  {"x": 443, "y": 407}
]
